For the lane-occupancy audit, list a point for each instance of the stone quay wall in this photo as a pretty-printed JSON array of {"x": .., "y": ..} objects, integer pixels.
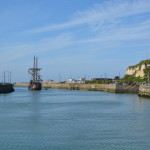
[
  {"x": 127, "y": 89},
  {"x": 144, "y": 91},
  {"x": 113, "y": 88},
  {"x": 141, "y": 90}
]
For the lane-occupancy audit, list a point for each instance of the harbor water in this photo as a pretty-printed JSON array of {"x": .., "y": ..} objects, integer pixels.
[{"x": 73, "y": 120}]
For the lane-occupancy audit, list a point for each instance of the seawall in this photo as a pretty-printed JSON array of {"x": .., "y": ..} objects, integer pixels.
[
  {"x": 141, "y": 90},
  {"x": 113, "y": 88},
  {"x": 21, "y": 84},
  {"x": 144, "y": 91},
  {"x": 85, "y": 87},
  {"x": 127, "y": 89}
]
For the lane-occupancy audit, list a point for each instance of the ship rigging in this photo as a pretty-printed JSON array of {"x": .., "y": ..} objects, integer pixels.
[{"x": 36, "y": 81}]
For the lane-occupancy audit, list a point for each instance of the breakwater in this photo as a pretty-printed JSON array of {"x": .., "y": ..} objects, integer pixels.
[
  {"x": 113, "y": 88},
  {"x": 144, "y": 91},
  {"x": 141, "y": 90},
  {"x": 21, "y": 84}
]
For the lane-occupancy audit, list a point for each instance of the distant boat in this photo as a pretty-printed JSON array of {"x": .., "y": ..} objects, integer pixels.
[
  {"x": 6, "y": 88},
  {"x": 36, "y": 81}
]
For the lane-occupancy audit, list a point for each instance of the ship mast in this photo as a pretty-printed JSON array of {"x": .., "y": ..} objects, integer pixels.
[{"x": 35, "y": 72}]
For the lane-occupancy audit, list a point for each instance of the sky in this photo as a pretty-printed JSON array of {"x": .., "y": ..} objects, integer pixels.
[{"x": 73, "y": 38}]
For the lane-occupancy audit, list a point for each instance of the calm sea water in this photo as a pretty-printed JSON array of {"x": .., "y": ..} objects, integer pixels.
[{"x": 73, "y": 120}]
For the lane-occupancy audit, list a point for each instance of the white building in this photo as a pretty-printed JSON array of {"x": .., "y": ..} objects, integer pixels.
[
  {"x": 46, "y": 82},
  {"x": 81, "y": 80}
]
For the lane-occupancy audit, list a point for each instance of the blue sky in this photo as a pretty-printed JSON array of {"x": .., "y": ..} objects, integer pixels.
[{"x": 73, "y": 38}]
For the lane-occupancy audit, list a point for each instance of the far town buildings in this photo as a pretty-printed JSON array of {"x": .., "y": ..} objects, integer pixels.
[{"x": 81, "y": 80}]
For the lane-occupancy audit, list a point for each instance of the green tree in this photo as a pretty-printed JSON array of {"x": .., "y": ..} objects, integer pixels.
[
  {"x": 147, "y": 73},
  {"x": 117, "y": 78},
  {"x": 132, "y": 78}
]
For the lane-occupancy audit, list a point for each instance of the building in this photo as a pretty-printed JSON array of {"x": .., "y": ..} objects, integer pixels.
[
  {"x": 46, "y": 82},
  {"x": 95, "y": 79},
  {"x": 81, "y": 80}
]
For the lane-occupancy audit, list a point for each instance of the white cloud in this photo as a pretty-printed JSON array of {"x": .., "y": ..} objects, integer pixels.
[
  {"x": 109, "y": 21},
  {"x": 17, "y": 51},
  {"x": 101, "y": 15},
  {"x": 106, "y": 21}
]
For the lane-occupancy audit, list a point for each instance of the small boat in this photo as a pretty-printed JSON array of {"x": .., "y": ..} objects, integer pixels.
[{"x": 36, "y": 81}]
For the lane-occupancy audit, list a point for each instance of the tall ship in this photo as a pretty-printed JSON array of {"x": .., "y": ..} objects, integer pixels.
[{"x": 35, "y": 81}]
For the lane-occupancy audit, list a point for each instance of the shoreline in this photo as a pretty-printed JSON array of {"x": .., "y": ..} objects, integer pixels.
[
  {"x": 111, "y": 88},
  {"x": 142, "y": 90}
]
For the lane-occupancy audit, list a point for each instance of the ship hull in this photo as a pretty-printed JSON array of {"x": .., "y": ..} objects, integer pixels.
[
  {"x": 35, "y": 86},
  {"x": 6, "y": 88}
]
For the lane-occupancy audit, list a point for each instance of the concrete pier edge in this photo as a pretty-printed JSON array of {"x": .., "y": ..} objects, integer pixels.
[
  {"x": 113, "y": 88},
  {"x": 142, "y": 90}
]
